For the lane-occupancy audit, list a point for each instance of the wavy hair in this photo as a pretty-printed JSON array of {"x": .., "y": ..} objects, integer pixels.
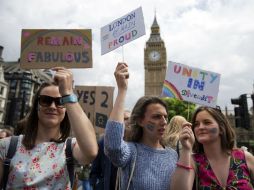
[
  {"x": 228, "y": 138},
  {"x": 31, "y": 121},
  {"x": 138, "y": 113},
  {"x": 173, "y": 131}
]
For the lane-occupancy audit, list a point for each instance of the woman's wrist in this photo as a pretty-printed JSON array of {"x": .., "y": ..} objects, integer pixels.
[
  {"x": 186, "y": 167},
  {"x": 185, "y": 157},
  {"x": 186, "y": 151},
  {"x": 122, "y": 93}
]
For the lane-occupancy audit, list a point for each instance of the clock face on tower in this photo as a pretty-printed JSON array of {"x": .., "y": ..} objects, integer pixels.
[{"x": 154, "y": 56}]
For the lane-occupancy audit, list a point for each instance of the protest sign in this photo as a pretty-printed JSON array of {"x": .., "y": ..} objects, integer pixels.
[
  {"x": 86, "y": 98},
  {"x": 97, "y": 102},
  {"x": 123, "y": 30},
  {"x": 42, "y": 48},
  {"x": 191, "y": 84}
]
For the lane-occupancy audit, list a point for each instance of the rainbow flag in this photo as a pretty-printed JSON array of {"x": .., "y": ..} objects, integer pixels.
[{"x": 170, "y": 90}]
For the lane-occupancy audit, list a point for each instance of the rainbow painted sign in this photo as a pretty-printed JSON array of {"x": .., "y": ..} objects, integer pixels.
[
  {"x": 191, "y": 84},
  {"x": 42, "y": 48},
  {"x": 122, "y": 31}
]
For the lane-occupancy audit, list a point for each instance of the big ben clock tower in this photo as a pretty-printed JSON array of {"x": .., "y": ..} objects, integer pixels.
[{"x": 155, "y": 61}]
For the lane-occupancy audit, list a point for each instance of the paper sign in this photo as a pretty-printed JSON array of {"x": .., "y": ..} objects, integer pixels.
[
  {"x": 86, "y": 98},
  {"x": 122, "y": 31},
  {"x": 44, "y": 49},
  {"x": 97, "y": 102},
  {"x": 103, "y": 106},
  {"x": 191, "y": 84}
]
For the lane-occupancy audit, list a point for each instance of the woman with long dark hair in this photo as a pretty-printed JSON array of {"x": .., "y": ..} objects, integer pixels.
[
  {"x": 144, "y": 161},
  {"x": 214, "y": 162},
  {"x": 40, "y": 160}
]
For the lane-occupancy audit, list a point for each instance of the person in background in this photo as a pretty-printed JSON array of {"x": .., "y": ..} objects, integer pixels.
[
  {"x": 216, "y": 161},
  {"x": 127, "y": 127},
  {"x": 83, "y": 176},
  {"x": 173, "y": 131},
  {"x": 145, "y": 162},
  {"x": 5, "y": 133},
  {"x": 40, "y": 161},
  {"x": 103, "y": 173}
]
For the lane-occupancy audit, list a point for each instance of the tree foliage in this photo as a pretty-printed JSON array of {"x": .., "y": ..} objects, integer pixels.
[{"x": 179, "y": 107}]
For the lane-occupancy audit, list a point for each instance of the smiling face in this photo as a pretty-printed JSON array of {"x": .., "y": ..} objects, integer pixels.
[
  {"x": 217, "y": 126},
  {"x": 50, "y": 116},
  {"x": 206, "y": 128},
  {"x": 154, "y": 122}
]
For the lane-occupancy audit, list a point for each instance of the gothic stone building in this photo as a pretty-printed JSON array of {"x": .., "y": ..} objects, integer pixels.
[
  {"x": 155, "y": 62},
  {"x": 22, "y": 85}
]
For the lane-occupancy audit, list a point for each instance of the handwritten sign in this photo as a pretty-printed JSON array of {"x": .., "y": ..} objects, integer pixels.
[
  {"x": 191, "y": 84},
  {"x": 41, "y": 49},
  {"x": 97, "y": 102},
  {"x": 122, "y": 31}
]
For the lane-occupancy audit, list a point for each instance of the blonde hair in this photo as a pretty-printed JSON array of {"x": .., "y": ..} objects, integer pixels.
[{"x": 173, "y": 130}]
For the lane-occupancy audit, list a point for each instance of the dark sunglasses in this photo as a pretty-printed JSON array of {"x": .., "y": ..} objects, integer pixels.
[{"x": 46, "y": 101}]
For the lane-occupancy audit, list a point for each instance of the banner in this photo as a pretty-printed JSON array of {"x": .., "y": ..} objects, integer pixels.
[
  {"x": 191, "y": 84},
  {"x": 44, "y": 49},
  {"x": 122, "y": 31}
]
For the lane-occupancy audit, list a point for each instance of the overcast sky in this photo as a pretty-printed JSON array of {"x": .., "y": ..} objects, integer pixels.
[{"x": 214, "y": 35}]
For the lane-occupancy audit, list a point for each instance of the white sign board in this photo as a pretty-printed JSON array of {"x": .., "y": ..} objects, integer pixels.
[
  {"x": 122, "y": 31},
  {"x": 191, "y": 84}
]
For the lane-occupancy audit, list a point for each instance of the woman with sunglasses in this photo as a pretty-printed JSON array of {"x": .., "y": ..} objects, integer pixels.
[
  {"x": 40, "y": 161},
  {"x": 144, "y": 161},
  {"x": 218, "y": 164}
]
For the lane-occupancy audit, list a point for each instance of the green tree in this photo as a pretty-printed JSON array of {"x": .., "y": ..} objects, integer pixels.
[{"x": 179, "y": 107}]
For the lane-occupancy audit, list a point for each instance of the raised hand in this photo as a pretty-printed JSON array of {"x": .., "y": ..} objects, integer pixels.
[
  {"x": 122, "y": 74},
  {"x": 187, "y": 138},
  {"x": 64, "y": 78}
]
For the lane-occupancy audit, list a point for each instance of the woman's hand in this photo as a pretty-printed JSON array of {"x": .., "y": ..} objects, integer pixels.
[
  {"x": 122, "y": 74},
  {"x": 186, "y": 137},
  {"x": 64, "y": 78}
]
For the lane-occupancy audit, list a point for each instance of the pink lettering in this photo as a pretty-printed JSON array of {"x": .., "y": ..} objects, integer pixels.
[{"x": 30, "y": 56}]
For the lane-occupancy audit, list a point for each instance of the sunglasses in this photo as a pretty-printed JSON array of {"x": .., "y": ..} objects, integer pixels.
[{"x": 46, "y": 101}]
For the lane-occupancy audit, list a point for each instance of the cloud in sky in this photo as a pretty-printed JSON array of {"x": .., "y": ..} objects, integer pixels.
[{"x": 212, "y": 35}]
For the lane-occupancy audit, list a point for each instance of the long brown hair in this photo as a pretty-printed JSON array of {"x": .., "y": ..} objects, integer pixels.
[
  {"x": 228, "y": 138},
  {"x": 31, "y": 128},
  {"x": 138, "y": 113}
]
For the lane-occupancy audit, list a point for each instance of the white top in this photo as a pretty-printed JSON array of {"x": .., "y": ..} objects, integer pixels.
[{"x": 43, "y": 167}]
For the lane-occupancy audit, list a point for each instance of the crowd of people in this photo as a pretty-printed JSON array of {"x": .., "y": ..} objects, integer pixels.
[{"x": 141, "y": 149}]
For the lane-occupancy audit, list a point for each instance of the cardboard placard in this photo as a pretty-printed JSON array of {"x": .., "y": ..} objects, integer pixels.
[
  {"x": 45, "y": 49},
  {"x": 122, "y": 31},
  {"x": 97, "y": 102},
  {"x": 191, "y": 84},
  {"x": 86, "y": 98}
]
